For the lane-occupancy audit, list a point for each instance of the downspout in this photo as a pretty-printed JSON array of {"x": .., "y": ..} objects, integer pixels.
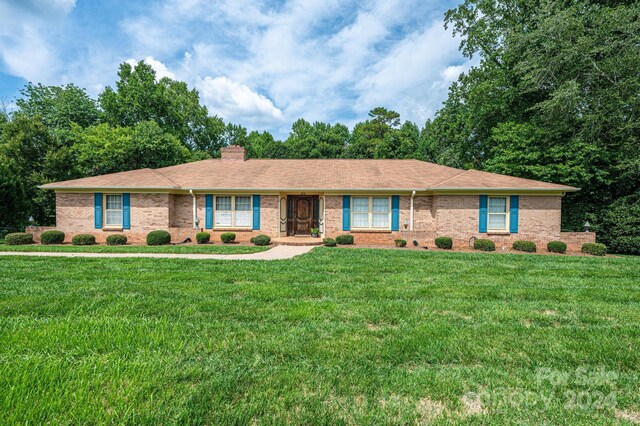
[
  {"x": 195, "y": 209},
  {"x": 413, "y": 194}
]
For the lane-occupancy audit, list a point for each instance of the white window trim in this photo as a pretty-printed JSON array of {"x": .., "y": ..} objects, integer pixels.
[
  {"x": 370, "y": 213},
  {"x": 233, "y": 212},
  {"x": 506, "y": 214},
  {"x": 104, "y": 203}
]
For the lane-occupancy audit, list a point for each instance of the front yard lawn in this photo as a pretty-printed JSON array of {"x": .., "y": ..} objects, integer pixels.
[
  {"x": 189, "y": 248},
  {"x": 352, "y": 336}
]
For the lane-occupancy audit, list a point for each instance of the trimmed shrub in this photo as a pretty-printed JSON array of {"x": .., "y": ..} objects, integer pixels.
[
  {"x": 484, "y": 245},
  {"x": 556, "y": 247},
  {"x": 83, "y": 240},
  {"x": 344, "y": 239},
  {"x": 329, "y": 242},
  {"x": 228, "y": 237},
  {"x": 158, "y": 238},
  {"x": 18, "y": 239},
  {"x": 52, "y": 237},
  {"x": 261, "y": 240},
  {"x": 625, "y": 245},
  {"x": 116, "y": 240},
  {"x": 595, "y": 249},
  {"x": 523, "y": 245},
  {"x": 445, "y": 243},
  {"x": 203, "y": 237},
  {"x": 400, "y": 242}
]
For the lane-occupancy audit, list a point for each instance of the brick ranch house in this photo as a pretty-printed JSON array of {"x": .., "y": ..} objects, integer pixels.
[{"x": 376, "y": 200}]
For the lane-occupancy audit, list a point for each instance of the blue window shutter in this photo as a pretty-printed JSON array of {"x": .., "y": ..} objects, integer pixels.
[
  {"x": 346, "y": 212},
  {"x": 395, "y": 213},
  {"x": 256, "y": 212},
  {"x": 484, "y": 199},
  {"x": 97, "y": 209},
  {"x": 126, "y": 211},
  {"x": 514, "y": 207},
  {"x": 208, "y": 211}
]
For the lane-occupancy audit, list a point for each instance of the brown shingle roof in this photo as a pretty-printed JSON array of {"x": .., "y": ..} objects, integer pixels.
[{"x": 308, "y": 175}]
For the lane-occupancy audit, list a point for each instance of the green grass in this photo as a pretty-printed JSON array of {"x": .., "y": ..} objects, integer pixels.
[
  {"x": 349, "y": 336},
  {"x": 191, "y": 248}
]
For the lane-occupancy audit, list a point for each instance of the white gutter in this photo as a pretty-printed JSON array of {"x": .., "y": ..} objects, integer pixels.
[
  {"x": 413, "y": 194},
  {"x": 195, "y": 209}
]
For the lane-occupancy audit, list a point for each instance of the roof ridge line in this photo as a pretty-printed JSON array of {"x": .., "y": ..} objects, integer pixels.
[
  {"x": 157, "y": 173},
  {"x": 453, "y": 177}
]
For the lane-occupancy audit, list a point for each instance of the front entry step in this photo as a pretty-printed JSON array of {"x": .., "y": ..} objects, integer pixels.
[{"x": 298, "y": 241}]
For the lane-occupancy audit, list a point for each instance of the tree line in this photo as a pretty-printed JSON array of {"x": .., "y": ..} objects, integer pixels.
[{"x": 555, "y": 97}]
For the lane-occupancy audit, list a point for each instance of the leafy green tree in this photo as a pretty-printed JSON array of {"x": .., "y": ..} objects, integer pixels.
[
  {"x": 140, "y": 97},
  {"x": 401, "y": 143},
  {"x": 554, "y": 98},
  {"x": 368, "y": 135},
  {"x": 317, "y": 140},
  {"x": 13, "y": 200},
  {"x": 105, "y": 149},
  {"x": 58, "y": 106}
]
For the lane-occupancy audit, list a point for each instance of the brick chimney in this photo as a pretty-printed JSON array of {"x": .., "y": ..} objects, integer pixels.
[{"x": 233, "y": 153}]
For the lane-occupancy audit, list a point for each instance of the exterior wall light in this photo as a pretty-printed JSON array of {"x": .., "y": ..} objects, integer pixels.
[{"x": 587, "y": 225}]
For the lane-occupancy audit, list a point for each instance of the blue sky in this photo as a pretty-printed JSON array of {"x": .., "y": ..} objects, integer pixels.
[{"x": 262, "y": 64}]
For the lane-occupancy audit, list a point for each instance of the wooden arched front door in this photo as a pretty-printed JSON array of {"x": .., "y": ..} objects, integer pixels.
[{"x": 302, "y": 214}]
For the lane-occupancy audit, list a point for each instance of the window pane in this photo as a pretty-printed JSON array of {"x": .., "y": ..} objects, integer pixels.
[
  {"x": 498, "y": 205},
  {"x": 114, "y": 202},
  {"x": 243, "y": 218},
  {"x": 114, "y": 217},
  {"x": 222, "y": 218},
  {"x": 223, "y": 203},
  {"x": 380, "y": 205},
  {"x": 360, "y": 220},
  {"x": 243, "y": 203},
  {"x": 380, "y": 220},
  {"x": 360, "y": 204},
  {"x": 497, "y": 221}
]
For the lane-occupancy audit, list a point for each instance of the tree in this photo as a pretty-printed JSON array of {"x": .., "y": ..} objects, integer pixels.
[
  {"x": 140, "y": 97},
  {"x": 105, "y": 149},
  {"x": 317, "y": 140},
  {"x": 553, "y": 98},
  {"x": 13, "y": 200},
  {"x": 368, "y": 135},
  {"x": 58, "y": 106}
]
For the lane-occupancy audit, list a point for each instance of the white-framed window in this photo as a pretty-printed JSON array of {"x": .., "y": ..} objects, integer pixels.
[
  {"x": 232, "y": 211},
  {"x": 371, "y": 212},
  {"x": 498, "y": 214},
  {"x": 113, "y": 210}
]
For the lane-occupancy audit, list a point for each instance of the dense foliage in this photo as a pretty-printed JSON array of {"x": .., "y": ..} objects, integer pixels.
[
  {"x": 227, "y": 237},
  {"x": 116, "y": 240},
  {"x": 18, "y": 239},
  {"x": 344, "y": 239},
  {"x": 203, "y": 237},
  {"x": 553, "y": 97},
  {"x": 330, "y": 242},
  {"x": 261, "y": 240},
  {"x": 484, "y": 245},
  {"x": 524, "y": 245},
  {"x": 596, "y": 249},
  {"x": 158, "y": 238},
  {"x": 445, "y": 243},
  {"x": 83, "y": 240},
  {"x": 52, "y": 237},
  {"x": 556, "y": 247}
]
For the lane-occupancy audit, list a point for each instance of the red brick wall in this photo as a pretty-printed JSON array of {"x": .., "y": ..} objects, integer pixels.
[{"x": 455, "y": 216}]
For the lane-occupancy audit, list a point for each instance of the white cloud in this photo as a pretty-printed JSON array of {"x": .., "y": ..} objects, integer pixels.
[
  {"x": 160, "y": 68},
  {"x": 26, "y": 30},
  {"x": 260, "y": 63},
  {"x": 231, "y": 99}
]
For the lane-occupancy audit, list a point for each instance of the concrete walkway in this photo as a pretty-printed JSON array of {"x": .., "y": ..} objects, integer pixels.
[{"x": 276, "y": 253}]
